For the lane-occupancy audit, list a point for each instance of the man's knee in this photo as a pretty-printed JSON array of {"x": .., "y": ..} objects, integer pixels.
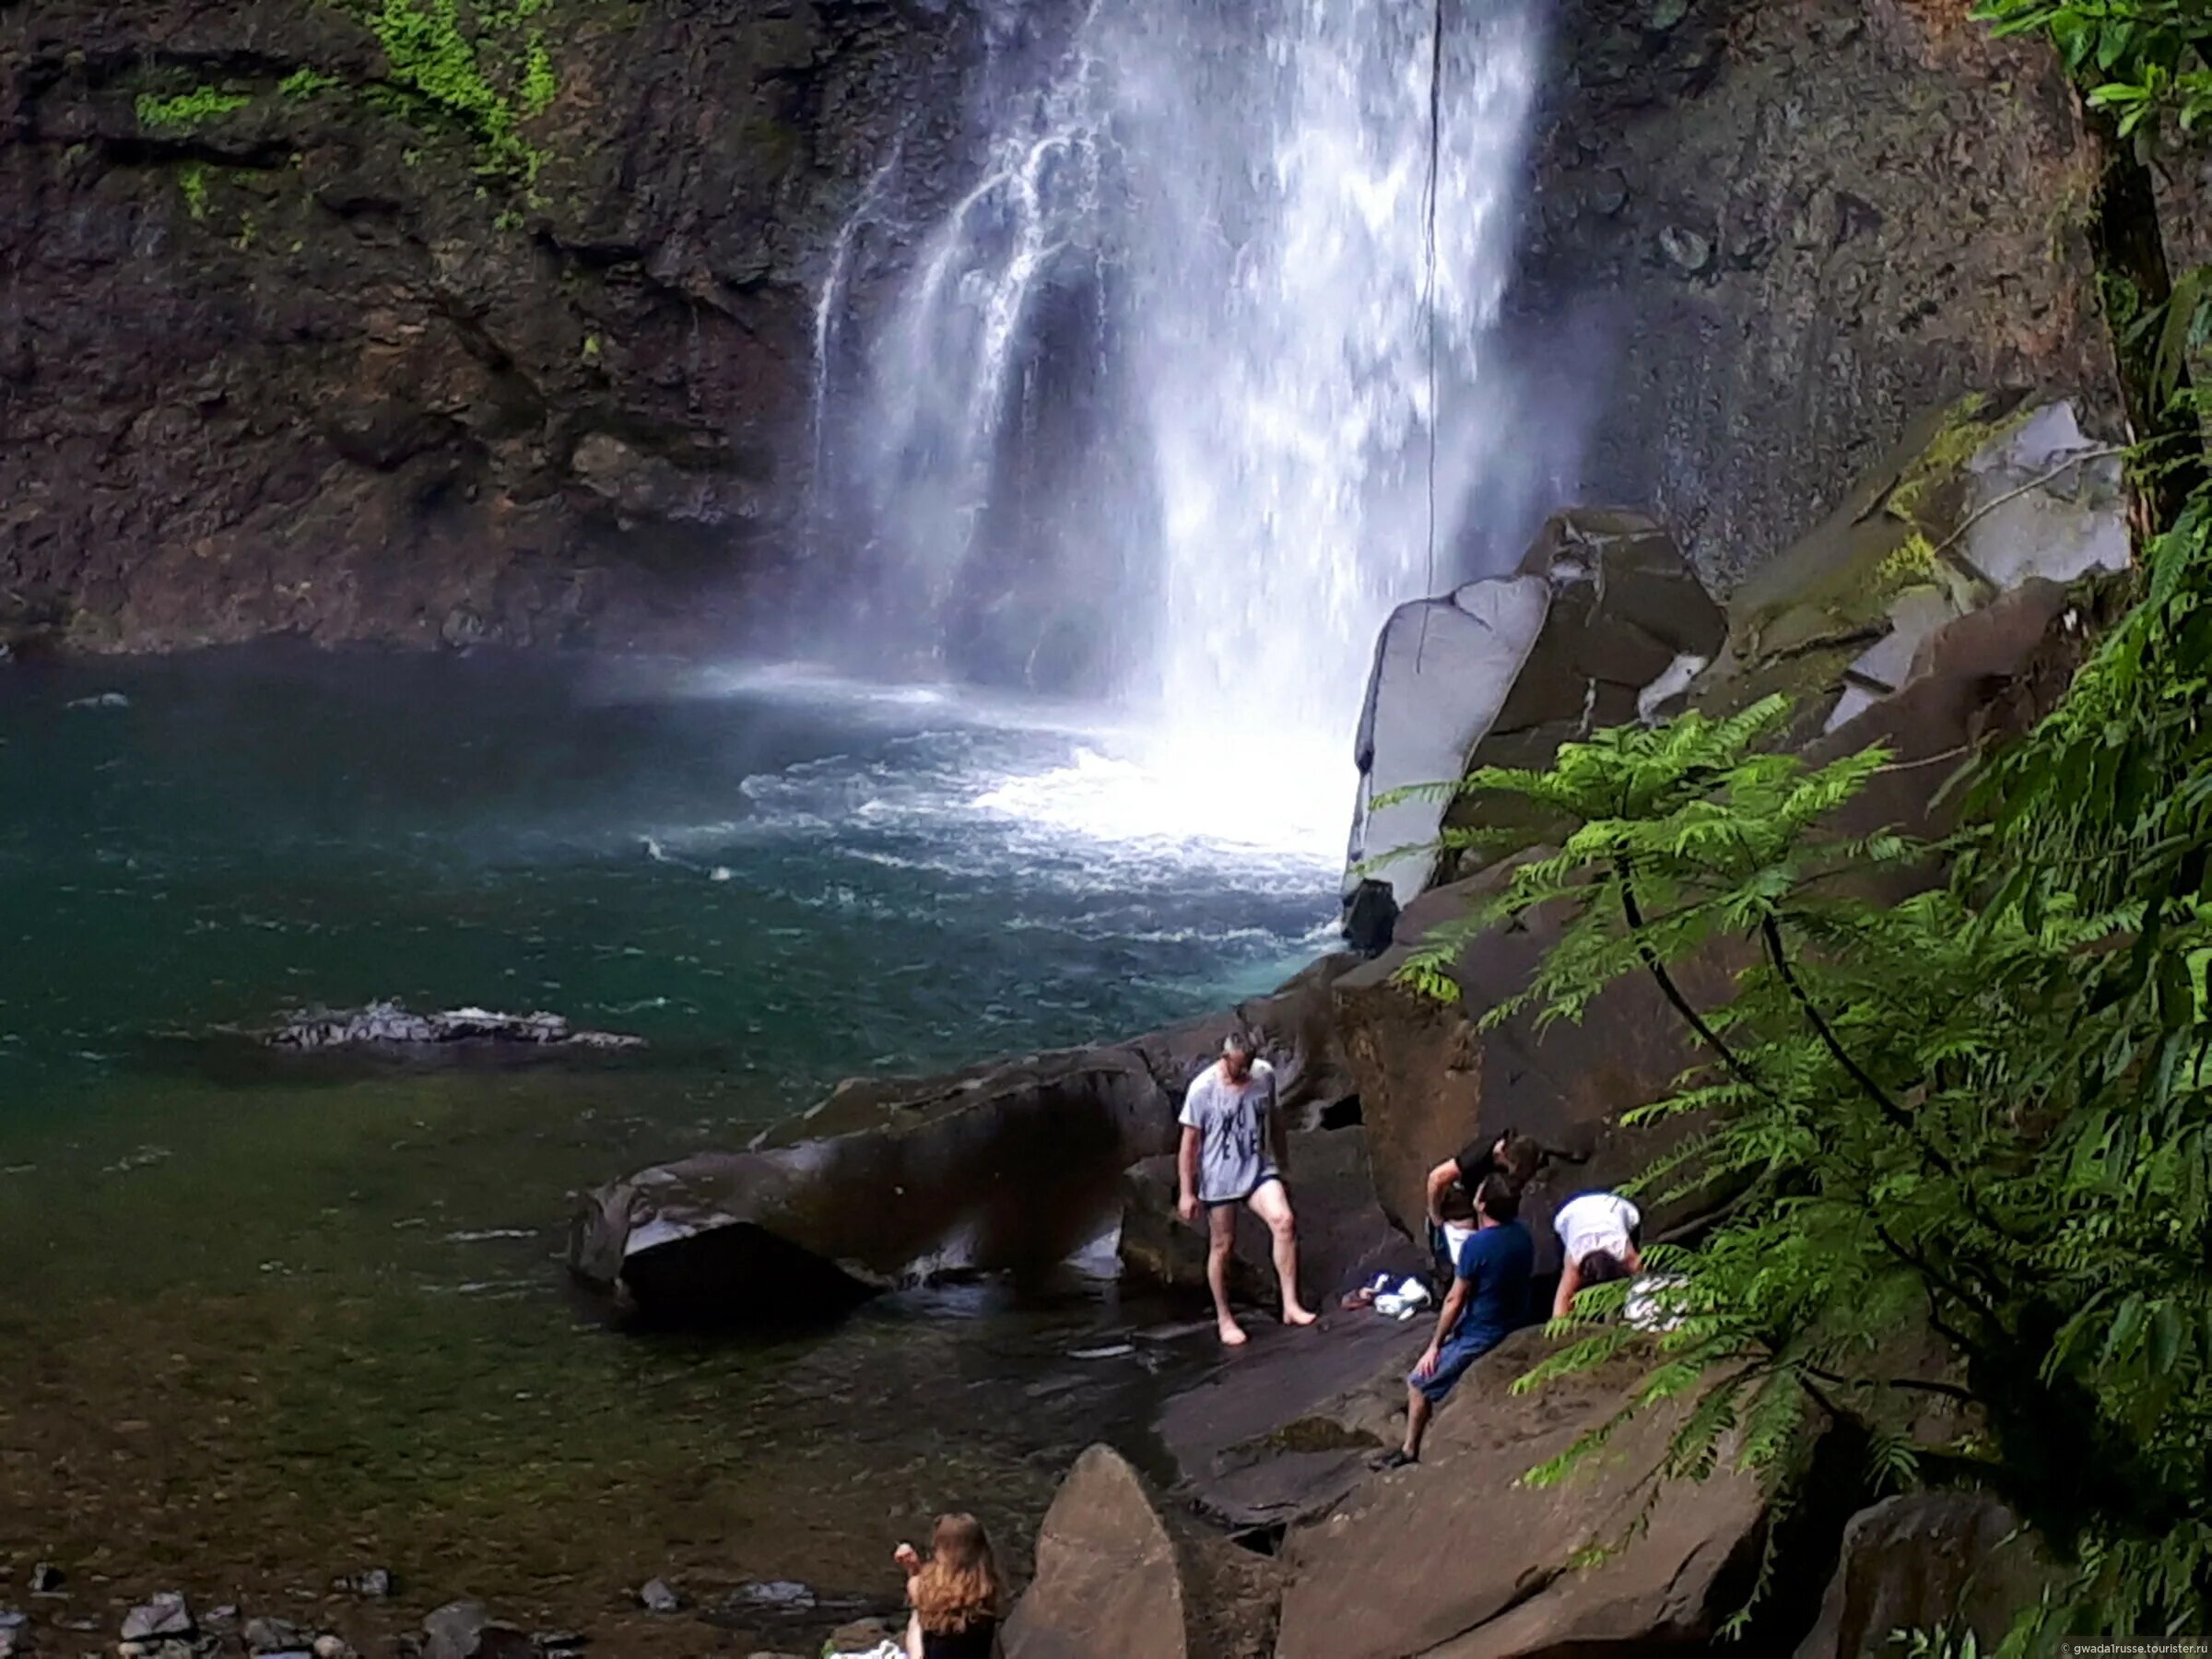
[{"x": 1283, "y": 1224}]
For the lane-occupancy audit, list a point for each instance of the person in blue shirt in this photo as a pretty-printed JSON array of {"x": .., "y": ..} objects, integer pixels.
[{"x": 1487, "y": 1303}]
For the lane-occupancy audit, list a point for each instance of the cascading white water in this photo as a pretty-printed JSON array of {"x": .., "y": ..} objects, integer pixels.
[{"x": 1241, "y": 192}]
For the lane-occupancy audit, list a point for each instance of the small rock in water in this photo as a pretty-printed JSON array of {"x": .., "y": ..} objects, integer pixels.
[
  {"x": 166, "y": 1615},
  {"x": 331, "y": 1647},
  {"x": 452, "y": 1632},
  {"x": 1113, "y": 1350},
  {"x": 777, "y": 1593},
  {"x": 1686, "y": 249},
  {"x": 553, "y": 1643},
  {"x": 106, "y": 700},
  {"x": 375, "y": 1583},
  {"x": 46, "y": 1578},
  {"x": 658, "y": 1597},
  {"x": 266, "y": 1635}
]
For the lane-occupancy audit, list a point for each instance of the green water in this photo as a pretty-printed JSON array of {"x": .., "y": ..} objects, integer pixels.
[{"x": 268, "y": 1323}]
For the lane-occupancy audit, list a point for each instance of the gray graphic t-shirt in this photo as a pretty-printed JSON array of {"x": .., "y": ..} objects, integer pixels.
[{"x": 1231, "y": 1121}]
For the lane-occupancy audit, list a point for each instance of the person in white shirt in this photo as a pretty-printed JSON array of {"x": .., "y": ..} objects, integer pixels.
[{"x": 1597, "y": 1239}]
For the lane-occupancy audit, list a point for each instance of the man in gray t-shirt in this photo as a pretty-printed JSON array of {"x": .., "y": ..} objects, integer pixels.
[{"x": 1233, "y": 1153}]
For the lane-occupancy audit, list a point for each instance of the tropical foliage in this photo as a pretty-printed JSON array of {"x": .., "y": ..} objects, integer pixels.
[{"x": 1958, "y": 1090}]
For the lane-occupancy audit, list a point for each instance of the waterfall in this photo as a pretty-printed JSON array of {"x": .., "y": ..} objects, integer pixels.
[{"x": 1150, "y": 413}]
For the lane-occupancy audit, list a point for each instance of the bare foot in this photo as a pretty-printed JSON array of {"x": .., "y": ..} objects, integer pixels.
[
  {"x": 1296, "y": 1316},
  {"x": 1232, "y": 1333}
]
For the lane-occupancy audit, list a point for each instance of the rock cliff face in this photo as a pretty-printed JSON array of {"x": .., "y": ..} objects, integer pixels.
[
  {"x": 1788, "y": 230},
  {"x": 426, "y": 319}
]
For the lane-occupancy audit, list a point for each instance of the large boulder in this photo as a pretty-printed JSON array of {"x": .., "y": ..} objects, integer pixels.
[
  {"x": 1011, "y": 1166},
  {"x": 1969, "y": 657},
  {"x": 1924, "y": 1559},
  {"x": 1118, "y": 1577},
  {"x": 1980, "y": 498},
  {"x": 1343, "y": 1235},
  {"x": 1602, "y": 618},
  {"x": 1455, "y": 1556}
]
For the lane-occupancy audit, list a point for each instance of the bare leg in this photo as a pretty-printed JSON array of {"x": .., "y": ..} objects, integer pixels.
[
  {"x": 1416, "y": 1420},
  {"x": 913, "y": 1637},
  {"x": 1271, "y": 1204},
  {"x": 1222, "y": 1240}
]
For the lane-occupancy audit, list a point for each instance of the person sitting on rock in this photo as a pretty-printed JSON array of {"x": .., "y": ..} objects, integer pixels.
[
  {"x": 1451, "y": 1192},
  {"x": 1489, "y": 1301},
  {"x": 1233, "y": 1153},
  {"x": 1598, "y": 1239},
  {"x": 956, "y": 1595}
]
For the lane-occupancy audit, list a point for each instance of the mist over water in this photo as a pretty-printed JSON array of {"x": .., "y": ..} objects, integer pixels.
[{"x": 1150, "y": 416}]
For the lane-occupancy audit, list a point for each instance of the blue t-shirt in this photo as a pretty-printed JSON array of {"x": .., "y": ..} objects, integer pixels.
[{"x": 1497, "y": 1262}]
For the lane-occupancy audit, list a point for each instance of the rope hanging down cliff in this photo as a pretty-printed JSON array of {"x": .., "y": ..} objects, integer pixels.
[{"x": 1436, "y": 140}]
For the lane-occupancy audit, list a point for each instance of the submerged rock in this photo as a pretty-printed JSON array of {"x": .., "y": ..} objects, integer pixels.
[
  {"x": 657, "y": 1596},
  {"x": 388, "y": 1025}
]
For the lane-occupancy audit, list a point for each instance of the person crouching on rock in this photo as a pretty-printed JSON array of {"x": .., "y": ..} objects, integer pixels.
[
  {"x": 1234, "y": 1152},
  {"x": 1598, "y": 1235},
  {"x": 956, "y": 1593},
  {"x": 1487, "y": 1302}
]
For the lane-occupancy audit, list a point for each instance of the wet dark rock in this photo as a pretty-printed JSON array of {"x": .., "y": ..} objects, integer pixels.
[
  {"x": 1371, "y": 913},
  {"x": 350, "y": 396},
  {"x": 1959, "y": 1560},
  {"x": 388, "y": 1025},
  {"x": 165, "y": 1614},
  {"x": 658, "y": 1597},
  {"x": 1011, "y": 1166}
]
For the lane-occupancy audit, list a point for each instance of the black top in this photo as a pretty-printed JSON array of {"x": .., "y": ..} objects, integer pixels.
[
  {"x": 974, "y": 1642},
  {"x": 1476, "y": 1159}
]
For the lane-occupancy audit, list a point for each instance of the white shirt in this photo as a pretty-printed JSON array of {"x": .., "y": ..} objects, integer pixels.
[{"x": 1596, "y": 1222}]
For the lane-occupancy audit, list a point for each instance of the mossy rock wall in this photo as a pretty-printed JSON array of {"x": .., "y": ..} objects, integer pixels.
[{"x": 429, "y": 320}]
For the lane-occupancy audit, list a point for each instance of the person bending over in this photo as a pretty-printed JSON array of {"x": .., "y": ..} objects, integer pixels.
[
  {"x": 1598, "y": 1235},
  {"x": 1452, "y": 1191},
  {"x": 1487, "y": 1300},
  {"x": 956, "y": 1593},
  {"x": 1234, "y": 1152}
]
